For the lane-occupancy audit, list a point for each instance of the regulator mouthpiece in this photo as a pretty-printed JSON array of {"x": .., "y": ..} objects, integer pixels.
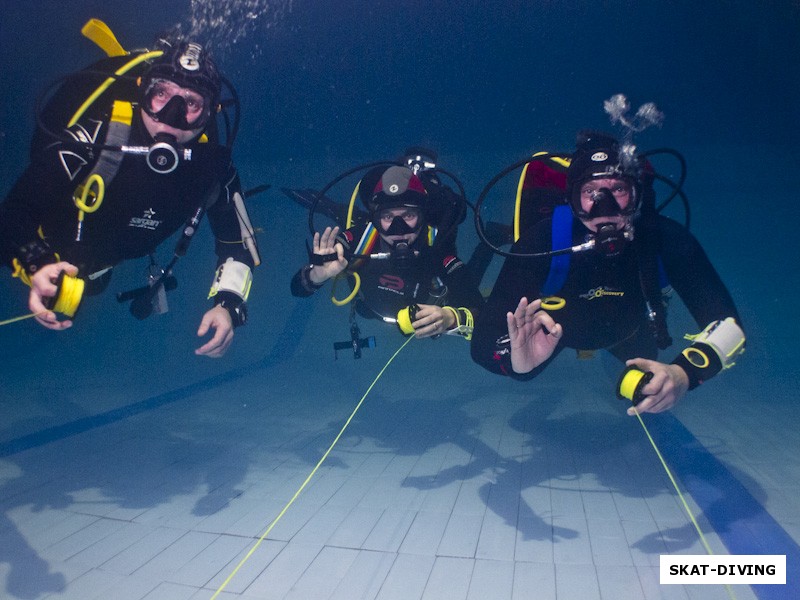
[
  {"x": 611, "y": 241},
  {"x": 402, "y": 254},
  {"x": 163, "y": 157}
]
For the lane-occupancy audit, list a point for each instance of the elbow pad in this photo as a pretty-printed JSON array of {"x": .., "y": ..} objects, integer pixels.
[
  {"x": 713, "y": 350},
  {"x": 234, "y": 277}
]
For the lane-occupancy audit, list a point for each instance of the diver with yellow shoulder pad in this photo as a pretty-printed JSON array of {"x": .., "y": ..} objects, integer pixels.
[
  {"x": 127, "y": 152},
  {"x": 395, "y": 260},
  {"x": 590, "y": 275}
]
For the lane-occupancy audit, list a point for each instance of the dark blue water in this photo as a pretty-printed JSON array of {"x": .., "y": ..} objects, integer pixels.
[{"x": 357, "y": 76}]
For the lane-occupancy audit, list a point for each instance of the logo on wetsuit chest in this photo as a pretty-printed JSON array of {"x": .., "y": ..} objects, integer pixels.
[
  {"x": 601, "y": 292},
  {"x": 146, "y": 221},
  {"x": 391, "y": 283}
]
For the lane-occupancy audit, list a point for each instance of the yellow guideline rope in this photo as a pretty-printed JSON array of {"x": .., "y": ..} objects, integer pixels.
[
  {"x": 22, "y": 318},
  {"x": 310, "y": 475},
  {"x": 680, "y": 495}
]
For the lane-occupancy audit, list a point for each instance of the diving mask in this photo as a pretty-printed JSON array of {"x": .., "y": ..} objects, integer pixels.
[
  {"x": 618, "y": 198},
  {"x": 178, "y": 107}
]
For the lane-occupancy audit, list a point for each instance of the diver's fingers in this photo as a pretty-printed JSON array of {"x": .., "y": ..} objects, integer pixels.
[
  {"x": 424, "y": 311},
  {"x": 527, "y": 313},
  {"x": 223, "y": 334},
  {"x": 323, "y": 239},
  {"x": 428, "y": 330},
  {"x": 44, "y": 316},
  {"x": 217, "y": 345},
  {"x": 519, "y": 312},
  {"x": 68, "y": 268},
  {"x": 543, "y": 320},
  {"x": 328, "y": 238},
  {"x": 511, "y": 322},
  {"x": 533, "y": 307},
  {"x": 47, "y": 318}
]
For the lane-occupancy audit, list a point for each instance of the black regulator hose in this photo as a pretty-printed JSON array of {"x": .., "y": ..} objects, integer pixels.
[
  {"x": 677, "y": 190},
  {"x": 479, "y": 203},
  {"x": 324, "y": 190},
  {"x": 47, "y": 93},
  {"x": 465, "y": 204},
  {"x": 677, "y": 187},
  {"x": 231, "y": 131}
]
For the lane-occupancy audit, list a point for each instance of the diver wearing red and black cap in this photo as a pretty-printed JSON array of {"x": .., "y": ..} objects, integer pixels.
[
  {"x": 127, "y": 154},
  {"x": 397, "y": 261},
  {"x": 601, "y": 302}
]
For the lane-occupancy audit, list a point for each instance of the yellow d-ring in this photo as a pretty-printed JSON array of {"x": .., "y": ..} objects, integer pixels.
[
  {"x": 356, "y": 287},
  {"x": 553, "y": 303},
  {"x": 89, "y": 196},
  {"x": 697, "y": 357}
]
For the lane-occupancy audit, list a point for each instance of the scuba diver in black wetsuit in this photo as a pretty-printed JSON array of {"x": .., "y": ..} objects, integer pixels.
[
  {"x": 396, "y": 261},
  {"x": 605, "y": 298},
  {"x": 139, "y": 160}
]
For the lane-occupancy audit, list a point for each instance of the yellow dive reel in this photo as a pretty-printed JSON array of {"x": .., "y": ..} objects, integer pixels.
[
  {"x": 405, "y": 317},
  {"x": 68, "y": 295},
  {"x": 631, "y": 383}
]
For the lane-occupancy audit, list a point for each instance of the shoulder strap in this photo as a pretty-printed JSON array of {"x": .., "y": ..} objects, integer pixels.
[
  {"x": 367, "y": 241},
  {"x": 89, "y": 194},
  {"x": 561, "y": 238},
  {"x": 119, "y": 130},
  {"x": 431, "y": 234}
]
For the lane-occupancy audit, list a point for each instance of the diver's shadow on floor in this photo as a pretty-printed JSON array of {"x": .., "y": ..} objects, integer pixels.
[{"x": 564, "y": 451}]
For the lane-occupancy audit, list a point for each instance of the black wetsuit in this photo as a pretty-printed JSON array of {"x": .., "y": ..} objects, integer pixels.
[
  {"x": 140, "y": 208},
  {"x": 605, "y": 306},
  {"x": 387, "y": 286}
]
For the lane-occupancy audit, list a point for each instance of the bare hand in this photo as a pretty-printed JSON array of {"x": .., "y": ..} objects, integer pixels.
[
  {"x": 43, "y": 288},
  {"x": 432, "y": 320},
  {"x": 662, "y": 392},
  {"x": 533, "y": 334},
  {"x": 326, "y": 244},
  {"x": 218, "y": 319}
]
